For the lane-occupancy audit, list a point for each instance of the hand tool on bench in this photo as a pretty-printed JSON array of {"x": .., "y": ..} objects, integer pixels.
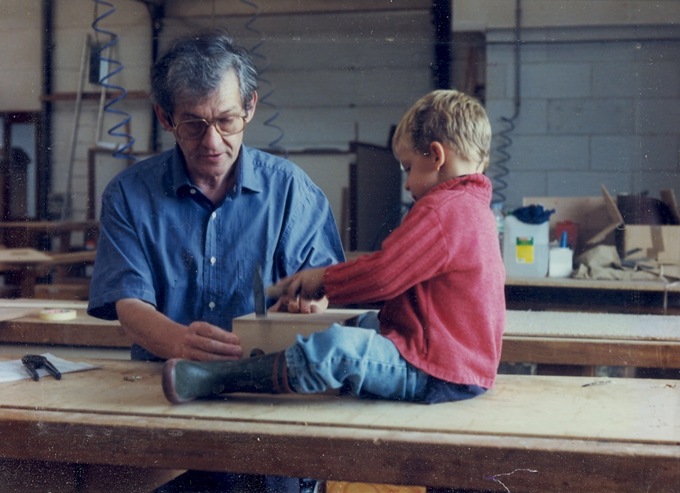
[{"x": 32, "y": 362}]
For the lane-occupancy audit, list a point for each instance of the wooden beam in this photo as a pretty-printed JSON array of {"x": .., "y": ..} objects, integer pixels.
[
  {"x": 291, "y": 7},
  {"x": 91, "y": 96}
]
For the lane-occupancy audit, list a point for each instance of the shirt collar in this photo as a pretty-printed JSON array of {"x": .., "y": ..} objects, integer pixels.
[
  {"x": 179, "y": 179},
  {"x": 246, "y": 178}
]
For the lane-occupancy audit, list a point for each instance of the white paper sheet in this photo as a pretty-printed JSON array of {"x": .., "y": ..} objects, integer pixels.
[{"x": 13, "y": 370}]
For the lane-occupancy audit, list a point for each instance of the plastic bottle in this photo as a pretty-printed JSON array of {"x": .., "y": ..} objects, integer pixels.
[
  {"x": 525, "y": 248},
  {"x": 561, "y": 259}
]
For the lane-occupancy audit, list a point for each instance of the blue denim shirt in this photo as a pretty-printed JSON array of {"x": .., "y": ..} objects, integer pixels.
[{"x": 162, "y": 241}]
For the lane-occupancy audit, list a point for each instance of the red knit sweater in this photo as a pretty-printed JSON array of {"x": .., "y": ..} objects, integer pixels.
[{"x": 442, "y": 279}]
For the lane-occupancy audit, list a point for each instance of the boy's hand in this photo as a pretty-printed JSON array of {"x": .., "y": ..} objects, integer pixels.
[{"x": 302, "y": 292}]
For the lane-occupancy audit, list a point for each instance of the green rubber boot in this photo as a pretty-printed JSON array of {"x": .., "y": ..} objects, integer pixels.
[{"x": 186, "y": 380}]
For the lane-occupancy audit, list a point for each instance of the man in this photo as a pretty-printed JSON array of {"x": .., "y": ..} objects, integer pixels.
[{"x": 183, "y": 232}]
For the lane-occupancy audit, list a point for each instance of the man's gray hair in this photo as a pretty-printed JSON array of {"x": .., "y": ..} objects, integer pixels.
[{"x": 194, "y": 66}]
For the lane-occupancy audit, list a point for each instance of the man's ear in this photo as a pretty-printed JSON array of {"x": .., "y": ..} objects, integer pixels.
[
  {"x": 251, "y": 111},
  {"x": 438, "y": 154},
  {"x": 163, "y": 117}
]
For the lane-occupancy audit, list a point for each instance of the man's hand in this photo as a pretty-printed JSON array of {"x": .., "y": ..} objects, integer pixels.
[
  {"x": 167, "y": 339},
  {"x": 202, "y": 341}
]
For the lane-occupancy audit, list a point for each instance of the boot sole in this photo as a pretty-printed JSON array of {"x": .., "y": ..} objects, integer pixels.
[{"x": 169, "y": 387}]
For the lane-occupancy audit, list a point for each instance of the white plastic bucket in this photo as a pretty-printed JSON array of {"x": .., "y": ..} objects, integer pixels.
[{"x": 526, "y": 248}]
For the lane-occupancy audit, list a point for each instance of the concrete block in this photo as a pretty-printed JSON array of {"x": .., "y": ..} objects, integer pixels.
[
  {"x": 533, "y": 117},
  {"x": 497, "y": 81},
  {"x": 556, "y": 80},
  {"x": 550, "y": 153},
  {"x": 637, "y": 80},
  {"x": 568, "y": 184},
  {"x": 615, "y": 152},
  {"x": 592, "y": 52},
  {"x": 591, "y": 116},
  {"x": 657, "y": 116}
]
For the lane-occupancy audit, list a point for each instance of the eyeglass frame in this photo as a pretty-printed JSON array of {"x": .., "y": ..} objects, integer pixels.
[{"x": 208, "y": 124}]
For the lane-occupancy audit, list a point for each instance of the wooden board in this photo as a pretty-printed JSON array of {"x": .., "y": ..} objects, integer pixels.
[
  {"x": 594, "y": 284},
  {"x": 531, "y": 433},
  {"x": 593, "y": 325},
  {"x": 12, "y": 256},
  {"x": 83, "y": 331},
  {"x": 28, "y": 328}
]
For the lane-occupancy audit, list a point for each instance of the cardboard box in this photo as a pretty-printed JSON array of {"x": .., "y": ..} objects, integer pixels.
[
  {"x": 660, "y": 242},
  {"x": 601, "y": 221}
]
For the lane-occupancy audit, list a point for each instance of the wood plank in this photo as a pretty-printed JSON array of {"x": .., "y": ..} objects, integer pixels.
[
  {"x": 22, "y": 256},
  {"x": 590, "y": 352},
  {"x": 350, "y": 487},
  {"x": 22, "y": 331},
  {"x": 523, "y": 433},
  {"x": 83, "y": 331},
  {"x": 291, "y": 7},
  {"x": 593, "y": 325},
  {"x": 595, "y": 284}
]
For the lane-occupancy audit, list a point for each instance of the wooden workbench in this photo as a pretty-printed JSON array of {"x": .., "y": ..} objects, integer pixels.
[
  {"x": 85, "y": 336},
  {"x": 592, "y": 339},
  {"x": 529, "y": 434}
]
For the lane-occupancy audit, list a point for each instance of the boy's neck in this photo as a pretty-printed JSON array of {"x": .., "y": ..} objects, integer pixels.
[{"x": 460, "y": 167}]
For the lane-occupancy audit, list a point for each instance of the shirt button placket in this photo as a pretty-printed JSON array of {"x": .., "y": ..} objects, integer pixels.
[{"x": 213, "y": 259}]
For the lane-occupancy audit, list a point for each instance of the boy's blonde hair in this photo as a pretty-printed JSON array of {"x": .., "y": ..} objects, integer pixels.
[{"x": 450, "y": 117}]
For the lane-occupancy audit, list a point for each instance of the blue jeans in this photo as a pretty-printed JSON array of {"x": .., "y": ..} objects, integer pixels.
[{"x": 356, "y": 359}]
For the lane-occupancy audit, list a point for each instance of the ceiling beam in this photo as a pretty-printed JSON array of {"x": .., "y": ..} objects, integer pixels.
[{"x": 175, "y": 8}]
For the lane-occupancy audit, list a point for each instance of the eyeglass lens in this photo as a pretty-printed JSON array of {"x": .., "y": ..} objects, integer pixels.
[{"x": 227, "y": 125}]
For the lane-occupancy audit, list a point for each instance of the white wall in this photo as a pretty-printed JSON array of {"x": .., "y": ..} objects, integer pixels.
[{"x": 20, "y": 59}]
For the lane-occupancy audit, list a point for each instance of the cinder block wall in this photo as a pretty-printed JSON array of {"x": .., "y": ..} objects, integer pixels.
[{"x": 597, "y": 106}]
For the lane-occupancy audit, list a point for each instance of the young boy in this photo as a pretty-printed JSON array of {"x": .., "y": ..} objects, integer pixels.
[{"x": 440, "y": 274}]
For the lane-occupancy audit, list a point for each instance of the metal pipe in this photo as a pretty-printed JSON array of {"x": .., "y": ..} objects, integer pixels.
[
  {"x": 44, "y": 171},
  {"x": 442, "y": 18}
]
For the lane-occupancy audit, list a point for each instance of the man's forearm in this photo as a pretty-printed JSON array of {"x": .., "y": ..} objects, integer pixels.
[{"x": 149, "y": 328}]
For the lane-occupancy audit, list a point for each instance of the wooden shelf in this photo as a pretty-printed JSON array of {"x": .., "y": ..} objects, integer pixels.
[
  {"x": 613, "y": 296},
  {"x": 614, "y": 285},
  {"x": 91, "y": 96}
]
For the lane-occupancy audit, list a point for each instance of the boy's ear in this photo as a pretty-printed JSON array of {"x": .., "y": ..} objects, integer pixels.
[{"x": 438, "y": 154}]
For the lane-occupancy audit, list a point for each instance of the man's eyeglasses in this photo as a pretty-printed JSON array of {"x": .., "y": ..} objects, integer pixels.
[{"x": 195, "y": 129}]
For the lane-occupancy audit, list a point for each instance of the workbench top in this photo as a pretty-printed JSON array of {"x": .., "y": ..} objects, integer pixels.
[{"x": 596, "y": 435}]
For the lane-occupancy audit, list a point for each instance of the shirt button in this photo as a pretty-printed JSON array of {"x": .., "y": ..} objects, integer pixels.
[
  {"x": 213, "y": 260},
  {"x": 213, "y": 215},
  {"x": 192, "y": 191},
  {"x": 211, "y": 305}
]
